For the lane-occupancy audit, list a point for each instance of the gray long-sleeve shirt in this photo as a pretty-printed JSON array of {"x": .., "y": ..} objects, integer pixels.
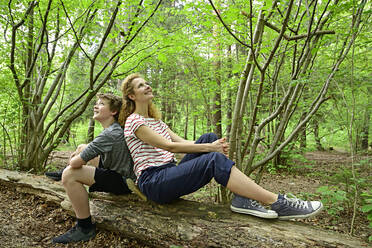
[{"x": 110, "y": 145}]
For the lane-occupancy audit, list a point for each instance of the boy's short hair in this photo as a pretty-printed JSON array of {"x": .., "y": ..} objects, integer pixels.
[{"x": 114, "y": 102}]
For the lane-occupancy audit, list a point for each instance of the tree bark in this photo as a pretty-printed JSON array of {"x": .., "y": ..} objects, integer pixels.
[
  {"x": 90, "y": 135},
  {"x": 186, "y": 129},
  {"x": 366, "y": 123},
  {"x": 318, "y": 143},
  {"x": 183, "y": 223}
]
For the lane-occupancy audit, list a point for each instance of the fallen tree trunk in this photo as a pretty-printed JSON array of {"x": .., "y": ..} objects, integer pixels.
[{"x": 183, "y": 223}]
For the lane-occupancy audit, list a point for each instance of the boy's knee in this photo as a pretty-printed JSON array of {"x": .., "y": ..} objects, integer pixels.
[{"x": 67, "y": 175}]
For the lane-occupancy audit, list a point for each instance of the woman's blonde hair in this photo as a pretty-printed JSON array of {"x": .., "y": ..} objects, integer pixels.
[{"x": 128, "y": 106}]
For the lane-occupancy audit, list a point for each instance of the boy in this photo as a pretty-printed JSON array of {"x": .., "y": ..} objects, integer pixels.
[{"x": 115, "y": 166}]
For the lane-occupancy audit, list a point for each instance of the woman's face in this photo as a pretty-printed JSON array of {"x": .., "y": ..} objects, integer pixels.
[{"x": 142, "y": 91}]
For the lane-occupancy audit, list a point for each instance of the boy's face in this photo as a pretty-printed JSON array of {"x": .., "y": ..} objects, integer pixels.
[{"x": 101, "y": 110}]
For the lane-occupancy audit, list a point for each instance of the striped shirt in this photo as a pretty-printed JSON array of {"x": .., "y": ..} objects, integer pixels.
[{"x": 143, "y": 154}]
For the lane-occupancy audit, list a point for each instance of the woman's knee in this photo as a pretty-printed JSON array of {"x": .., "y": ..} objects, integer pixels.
[
  {"x": 207, "y": 138},
  {"x": 222, "y": 167},
  {"x": 216, "y": 156}
]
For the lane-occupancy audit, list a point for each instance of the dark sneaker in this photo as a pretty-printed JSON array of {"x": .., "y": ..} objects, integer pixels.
[
  {"x": 76, "y": 234},
  {"x": 293, "y": 208},
  {"x": 55, "y": 175},
  {"x": 245, "y": 205}
]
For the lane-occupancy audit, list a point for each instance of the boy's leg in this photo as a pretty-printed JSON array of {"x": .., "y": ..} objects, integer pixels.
[
  {"x": 73, "y": 181},
  {"x": 57, "y": 175}
]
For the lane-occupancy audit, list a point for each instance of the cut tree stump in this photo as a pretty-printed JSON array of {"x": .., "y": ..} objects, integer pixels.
[{"x": 183, "y": 223}]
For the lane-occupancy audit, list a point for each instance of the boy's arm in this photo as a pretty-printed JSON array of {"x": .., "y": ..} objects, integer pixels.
[
  {"x": 93, "y": 162},
  {"x": 77, "y": 162}
]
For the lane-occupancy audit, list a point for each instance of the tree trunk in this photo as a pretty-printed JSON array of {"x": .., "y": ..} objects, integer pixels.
[
  {"x": 318, "y": 143},
  {"x": 194, "y": 128},
  {"x": 302, "y": 134},
  {"x": 90, "y": 135},
  {"x": 186, "y": 120},
  {"x": 216, "y": 106},
  {"x": 229, "y": 94},
  {"x": 366, "y": 123},
  {"x": 182, "y": 223}
]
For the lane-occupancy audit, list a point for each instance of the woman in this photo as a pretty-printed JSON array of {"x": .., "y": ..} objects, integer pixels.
[{"x": 152, "y": 146}]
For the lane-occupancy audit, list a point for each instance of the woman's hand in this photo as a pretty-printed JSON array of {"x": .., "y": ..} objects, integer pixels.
[{"x": 222, "y": 146}]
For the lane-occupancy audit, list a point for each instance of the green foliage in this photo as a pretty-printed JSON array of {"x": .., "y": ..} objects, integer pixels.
[
  {"x": 339, "y": 195},
  {"x": 291, "y": 159},
  {"x": 177, "y": 50},
  {"x": 367, "y": 207},
  {"x": 333, "y": 199}
]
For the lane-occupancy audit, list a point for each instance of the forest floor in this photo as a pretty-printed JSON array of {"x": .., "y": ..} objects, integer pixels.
[{"x": 28, "y": 221}]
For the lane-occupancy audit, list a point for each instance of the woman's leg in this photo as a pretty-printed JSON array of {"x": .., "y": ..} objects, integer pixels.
[
  {"x": 241, "y": 184},
  {"x": 238, "y": 182},
  {"x": 169, "y": 182}
]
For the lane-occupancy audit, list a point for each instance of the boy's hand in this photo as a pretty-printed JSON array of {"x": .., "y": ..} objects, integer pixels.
[{"x": 78, "y": 150}]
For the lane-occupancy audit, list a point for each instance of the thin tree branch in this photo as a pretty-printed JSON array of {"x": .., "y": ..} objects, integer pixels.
[
  {"x": 127, "y": 42},
  {"x": 13, "y": 44},
  {"x": 226, "y": 27},
  {"x": 73, "y": 30},
  {"x": 279, "y": 38},
  {"x": 301, "y": 36},
  {"x": 37, "y": 52}
]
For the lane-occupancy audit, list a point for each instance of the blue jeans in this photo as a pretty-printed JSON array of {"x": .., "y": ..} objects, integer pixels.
[{"x": 168, "y": 182}]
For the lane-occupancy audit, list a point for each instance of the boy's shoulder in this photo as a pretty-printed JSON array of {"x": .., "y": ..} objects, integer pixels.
[
  {"x": 114, "y": 131},
  {"x": 114, "y": 127}
]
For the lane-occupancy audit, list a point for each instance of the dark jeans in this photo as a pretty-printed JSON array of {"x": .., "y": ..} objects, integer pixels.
[{"x": 168, "y": 182}]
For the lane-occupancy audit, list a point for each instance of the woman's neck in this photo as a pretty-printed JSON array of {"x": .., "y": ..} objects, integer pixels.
[{"x": 142, "y": 109}]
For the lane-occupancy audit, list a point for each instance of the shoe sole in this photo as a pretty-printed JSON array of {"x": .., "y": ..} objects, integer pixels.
[
  {"x": 91, "y": 236},
  {"x": 134, "y": 188},
  {"x": 88, "y": 238},
  {"x": 254, "y": 213},
  {"x": 302, "y": 216}
]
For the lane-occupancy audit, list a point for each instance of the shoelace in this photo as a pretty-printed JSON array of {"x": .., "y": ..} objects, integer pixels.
[
  {"x": 255, "y": 203},
  {"x": 295, "y": 202},
  {"x": 72, "y": 229}
]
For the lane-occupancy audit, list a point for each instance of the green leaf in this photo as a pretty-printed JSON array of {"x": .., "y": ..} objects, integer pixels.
[
  {"x": 162, "y": 57},
  {"x": 367, "y": 208}
]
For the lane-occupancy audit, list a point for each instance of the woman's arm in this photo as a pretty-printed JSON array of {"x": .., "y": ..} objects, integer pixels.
[
  {"x": 176, "y": 138},
  {"x": 150, "y": 137}
]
